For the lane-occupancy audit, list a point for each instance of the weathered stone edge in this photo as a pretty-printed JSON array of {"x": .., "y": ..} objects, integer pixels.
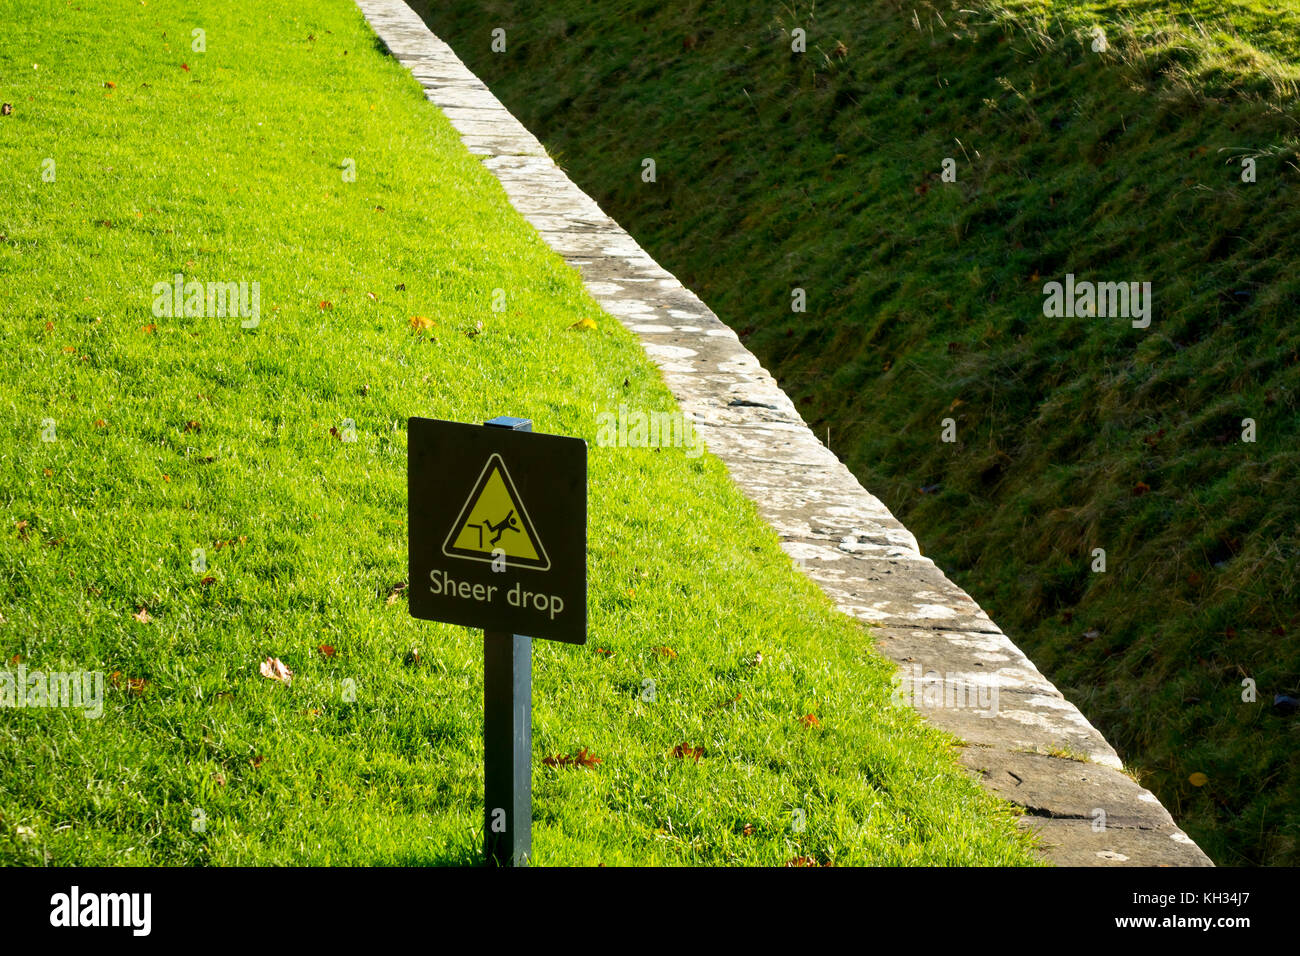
[{"x": 1033, "y": 748}]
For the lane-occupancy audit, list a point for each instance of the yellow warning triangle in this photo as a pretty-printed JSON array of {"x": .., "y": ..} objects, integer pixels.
[{"x": 494, "y": 522}]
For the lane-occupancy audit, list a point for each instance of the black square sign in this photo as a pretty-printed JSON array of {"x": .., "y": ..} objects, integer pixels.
[{"x": 498, "y": 528}]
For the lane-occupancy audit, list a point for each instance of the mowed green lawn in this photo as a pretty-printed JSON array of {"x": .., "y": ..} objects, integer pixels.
[{"x": 172, "y": 434}]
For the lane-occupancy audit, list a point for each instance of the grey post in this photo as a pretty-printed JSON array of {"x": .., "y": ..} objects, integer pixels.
[{"x": 508, "y": 734}]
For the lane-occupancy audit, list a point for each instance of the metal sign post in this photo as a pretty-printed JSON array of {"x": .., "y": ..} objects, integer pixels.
[
  {"x": 498, "y": 536},
  {"x": 507, "y": 748},
  {"x": 508, "y": 734}
]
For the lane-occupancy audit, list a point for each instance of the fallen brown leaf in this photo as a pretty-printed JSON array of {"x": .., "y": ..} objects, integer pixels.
[
  {"x": 142, "y": 616},
  {"x": 134, "y": 685},
  {"x": 275, "y": 669},
  {"x": 809, "y": 721},
  {"x": 327, "y": 650},
  {"x": 682, "y": 751},
  {"x": 584, "y": 758}
]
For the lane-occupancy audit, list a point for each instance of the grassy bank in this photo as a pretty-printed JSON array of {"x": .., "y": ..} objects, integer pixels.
[
  {"x": 822, "y": 170},
  {"x": 181, "y": 497}
]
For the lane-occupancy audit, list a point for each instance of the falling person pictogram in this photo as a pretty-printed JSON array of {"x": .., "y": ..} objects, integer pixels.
[
  {"x": 479, "y": 534},
  {"x": 508, "y": 523}
]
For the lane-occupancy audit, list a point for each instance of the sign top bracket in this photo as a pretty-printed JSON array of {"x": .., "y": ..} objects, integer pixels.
[{"x": 507, "y": 421}]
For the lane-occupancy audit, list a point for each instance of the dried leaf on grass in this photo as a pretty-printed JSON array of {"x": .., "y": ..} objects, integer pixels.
[
  {"x": 682, "y": 751},
  {"x": 583, "y": 758},
  {"x": 274, "y": 669}
]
